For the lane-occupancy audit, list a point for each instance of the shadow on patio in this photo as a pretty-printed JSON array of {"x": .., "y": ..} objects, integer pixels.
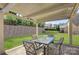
[{"x": 66, "y": 50}]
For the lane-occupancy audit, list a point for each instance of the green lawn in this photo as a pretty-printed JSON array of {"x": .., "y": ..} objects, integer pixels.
[
  {"x": 65, "y": 35},
  {"x": 16, "y": 41}
]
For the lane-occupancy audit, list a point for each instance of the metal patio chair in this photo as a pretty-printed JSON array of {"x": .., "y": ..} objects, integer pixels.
[
  {"x": 33, "y": 48},
  {"x": 57, "y": 47}
]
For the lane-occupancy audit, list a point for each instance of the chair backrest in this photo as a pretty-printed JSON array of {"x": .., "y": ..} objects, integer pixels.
[
  {"x": 29, "y": 47},
  {"x": 59, "y": 45},
  {"x": 60, "y": 42}
]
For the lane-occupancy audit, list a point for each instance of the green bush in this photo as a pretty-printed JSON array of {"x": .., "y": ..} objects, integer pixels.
[
  {"x": 19, "y": 21},
  {"x": 13, "y": 20},
  {"x": 10, "y": 20},
  {"x": 24, "y": 22},
  {"x": 30, "y": 23}
]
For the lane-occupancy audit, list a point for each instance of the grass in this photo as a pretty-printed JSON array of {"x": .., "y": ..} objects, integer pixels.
[
  {"x": 75, "y": 40},
  {"x": 15, "y": 41}
]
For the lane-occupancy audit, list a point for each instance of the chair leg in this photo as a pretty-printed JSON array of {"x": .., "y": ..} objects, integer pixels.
[
  {"x": 62, "y": 49},
  {"x": 59, "y": 50},
  {"x": 47, "y": 49}
]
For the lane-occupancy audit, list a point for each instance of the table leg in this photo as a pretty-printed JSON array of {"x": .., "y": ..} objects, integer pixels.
[
  {"x": 47, "y": 49},
  {"x": 44, "y": 50}
]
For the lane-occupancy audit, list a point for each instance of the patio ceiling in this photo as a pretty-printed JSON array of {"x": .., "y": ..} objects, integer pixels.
[
  {"x": 43, "y": 11},
  {"x": 2, "y": 5}
]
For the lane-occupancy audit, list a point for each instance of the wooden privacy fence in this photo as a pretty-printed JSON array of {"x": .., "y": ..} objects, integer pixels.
[{"x": 13, "y": 31}]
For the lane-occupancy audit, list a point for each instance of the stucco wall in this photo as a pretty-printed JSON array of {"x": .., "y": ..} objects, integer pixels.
[{"x": 12, "y": 31}]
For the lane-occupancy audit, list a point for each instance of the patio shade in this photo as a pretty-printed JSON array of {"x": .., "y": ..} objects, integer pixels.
[
  {"x": 41, "y": 11},
  {"x": 44, "y": 12}
]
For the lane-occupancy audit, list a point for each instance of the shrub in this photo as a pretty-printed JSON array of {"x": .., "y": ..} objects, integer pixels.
[
  {"x": 24, "y": 22},
  {"x": 10, "y": 20},
  {"x": 13, "y": 20},
  {"x": 19, "y": 21}
]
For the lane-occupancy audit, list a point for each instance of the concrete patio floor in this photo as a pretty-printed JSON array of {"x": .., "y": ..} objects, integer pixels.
[
  {"x": 67, "y": 50},
  {"x": 20, "y": 50}
]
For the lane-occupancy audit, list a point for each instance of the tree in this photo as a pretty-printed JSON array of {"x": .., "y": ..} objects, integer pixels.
[
  {"x": 14, "y": 20},
  {"x": 58, "y": 28}
]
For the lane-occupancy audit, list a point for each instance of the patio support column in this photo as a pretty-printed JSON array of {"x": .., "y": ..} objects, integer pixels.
[
  {"x": 70, "y": 22},
  {"x": 1, "y": 34},
  {"x": 70, "y": 32},
  {"x": 37, "y": 29}
]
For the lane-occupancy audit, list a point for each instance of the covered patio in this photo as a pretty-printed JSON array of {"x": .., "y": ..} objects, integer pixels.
[
  {"x": 68, "y": 50},
  {"x": 40, "y": 13}
]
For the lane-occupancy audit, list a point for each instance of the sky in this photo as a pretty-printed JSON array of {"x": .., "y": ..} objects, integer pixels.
[{"x": 57, "y": 22}]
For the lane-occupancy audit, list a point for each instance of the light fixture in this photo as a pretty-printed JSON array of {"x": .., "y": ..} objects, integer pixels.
[{"x": 17, "y": 14}]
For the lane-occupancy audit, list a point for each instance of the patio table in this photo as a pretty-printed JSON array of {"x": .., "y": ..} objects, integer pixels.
[{"x": 46, "y": 41}]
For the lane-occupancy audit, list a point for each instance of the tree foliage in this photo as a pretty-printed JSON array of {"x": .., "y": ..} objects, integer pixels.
[{"x": 13, "y": 20}]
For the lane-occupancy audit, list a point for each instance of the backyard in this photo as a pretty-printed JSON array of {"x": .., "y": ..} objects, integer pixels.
[
  {"x": 65, "y": 35},
  {"x": 15, "y": 21},
  {"x": 16, "y": 41}
]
